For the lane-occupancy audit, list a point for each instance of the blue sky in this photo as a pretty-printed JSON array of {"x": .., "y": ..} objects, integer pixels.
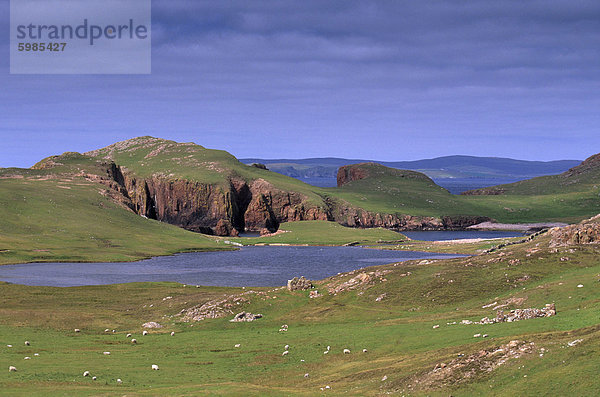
[{"x": 384, "y": 80}]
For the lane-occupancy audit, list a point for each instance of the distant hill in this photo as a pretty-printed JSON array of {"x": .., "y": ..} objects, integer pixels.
[
  {"x": 580, "y": 178},
  {"x": 455, "y": 173}
]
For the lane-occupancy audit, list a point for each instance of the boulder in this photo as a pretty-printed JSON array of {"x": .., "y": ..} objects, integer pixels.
[
  {"x": 299, "y": 284},
  {"x": 245, "y": 317}
]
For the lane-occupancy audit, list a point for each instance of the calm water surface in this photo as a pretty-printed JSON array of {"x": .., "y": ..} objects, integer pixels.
[
  {"x": 250, "y": 266},
  {"x": 460, "y": 234}
]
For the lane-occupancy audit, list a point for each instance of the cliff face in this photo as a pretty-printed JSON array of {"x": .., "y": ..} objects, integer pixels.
[
  {"x": 212, "y": 209},
  {"x": 356, "y": 217},
  {"x": 255, "y": 206}
]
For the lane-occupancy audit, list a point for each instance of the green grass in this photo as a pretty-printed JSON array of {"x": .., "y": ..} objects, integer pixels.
[
  {"x": 322, "y": 233},
  {"x": 398, "y": 333},
  {"x": 69, "y": 220}
]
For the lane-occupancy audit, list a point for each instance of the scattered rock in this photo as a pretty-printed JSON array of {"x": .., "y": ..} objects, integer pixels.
[
  {"x": 465, "y": 368},
  {"x": 314, "y": 294},
  {"x": 380, "y": 297},
  {"x": 152, "y": 324},
  {"x": 299, "y": 284},
  {"x": 214, "y": 308},
  {"x": 575, "y": 342},
  {"x": 384, "y": 378},
  {"x": 245, "y": 317}
]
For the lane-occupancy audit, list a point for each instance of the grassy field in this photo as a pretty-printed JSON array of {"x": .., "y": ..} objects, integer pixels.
[
  {"x": 397, "y": 331},
  {"x": 69, "y": 220},
  {"x": 322, "y": 233}
]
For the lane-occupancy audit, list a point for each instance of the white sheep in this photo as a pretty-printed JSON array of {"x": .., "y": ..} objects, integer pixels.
[
  {"x": 27, "y": 343},
  {"x": 346, "y": 351},
  {"x": 27, "y": 358},
  {"x": 145, "y": 333},
  {"x": 12, "y": 369},
  {"x": 326, "y": 352},
  {"x": 237, "y": 345},
  {"x": 86, "y": 373},
  {"x": 134, "y": 341},
  {"x": 107, "y": 330},
  {"x": 119, "y": 381},
  {"x": 172, "y": 333},
  {"x": 328, "y": 348},
  {"x": 286, "y": 347},
  {"x": 364, "y": 350},
  {"x": 306, "y": 375},
  {"x": 128, "y": 336},
  {"x": 155, "y": 367},
  {"x": 106, "y": 353},
  {"x": 94, "y": 378},
  {"x": 77, "y": 330},
  {"x": 285, "y": 353}
]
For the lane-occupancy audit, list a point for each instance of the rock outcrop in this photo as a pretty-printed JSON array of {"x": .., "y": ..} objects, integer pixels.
[
  {"x": 586, "y": 232},
  {"x": 245, "y": 317},
  {"x": 299, "y": 284}
]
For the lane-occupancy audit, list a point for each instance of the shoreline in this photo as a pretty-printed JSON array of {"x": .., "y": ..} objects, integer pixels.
[{"x": 520, "y": 227}]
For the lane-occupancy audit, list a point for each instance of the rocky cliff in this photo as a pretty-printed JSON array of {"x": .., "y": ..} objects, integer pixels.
[{"x": 585, "y": 232}]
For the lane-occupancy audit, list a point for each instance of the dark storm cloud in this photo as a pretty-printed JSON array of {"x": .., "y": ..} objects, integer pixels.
[{"x": 440, "y": 77}]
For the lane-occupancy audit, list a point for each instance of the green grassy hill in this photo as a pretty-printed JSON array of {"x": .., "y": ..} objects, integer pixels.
[{"x": 71, "y": 219}]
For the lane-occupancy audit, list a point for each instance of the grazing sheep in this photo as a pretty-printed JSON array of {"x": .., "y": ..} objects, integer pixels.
[
  {"x": 364, "y": 350},
  {"x": 27, "y": 358},
  {"x": 77, "y": 330},
  {"x": 384, "y": 378},
  {"x": 134, "y": 341},
  {"x": 106, "y": 353},
  {"x": 155, "y": 367},
  {"x": 326, "y": 352},
  {"x": 145, "y": 333},
  {"x": 107, "y": 330},
  {"x": 113, "y": 331},
  {"x": 119, "y": 381},
  {"x": 328, "y": 348},
  {"x": 237, "y": 345},
  {"x": 306, "y": 375},
  {"x": 86, "y": 373},
  {"x": 128, "y": 336},
  {"x": 285, "y": 353},
  {"x": 172, "y": 333},
  {"x": 346, "y": 351},
  {"x": 36, "y": 354},
  {"x": 94, "y": 378},
  {"x": 8, "y": 345},
  {"x": 12, "y": 369},
  {"x": 27, "y": 343},
  {"x": 286, "y": 347}
]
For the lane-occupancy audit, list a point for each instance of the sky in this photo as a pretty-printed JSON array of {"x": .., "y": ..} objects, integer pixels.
[{"x": 382, "y": 80}]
